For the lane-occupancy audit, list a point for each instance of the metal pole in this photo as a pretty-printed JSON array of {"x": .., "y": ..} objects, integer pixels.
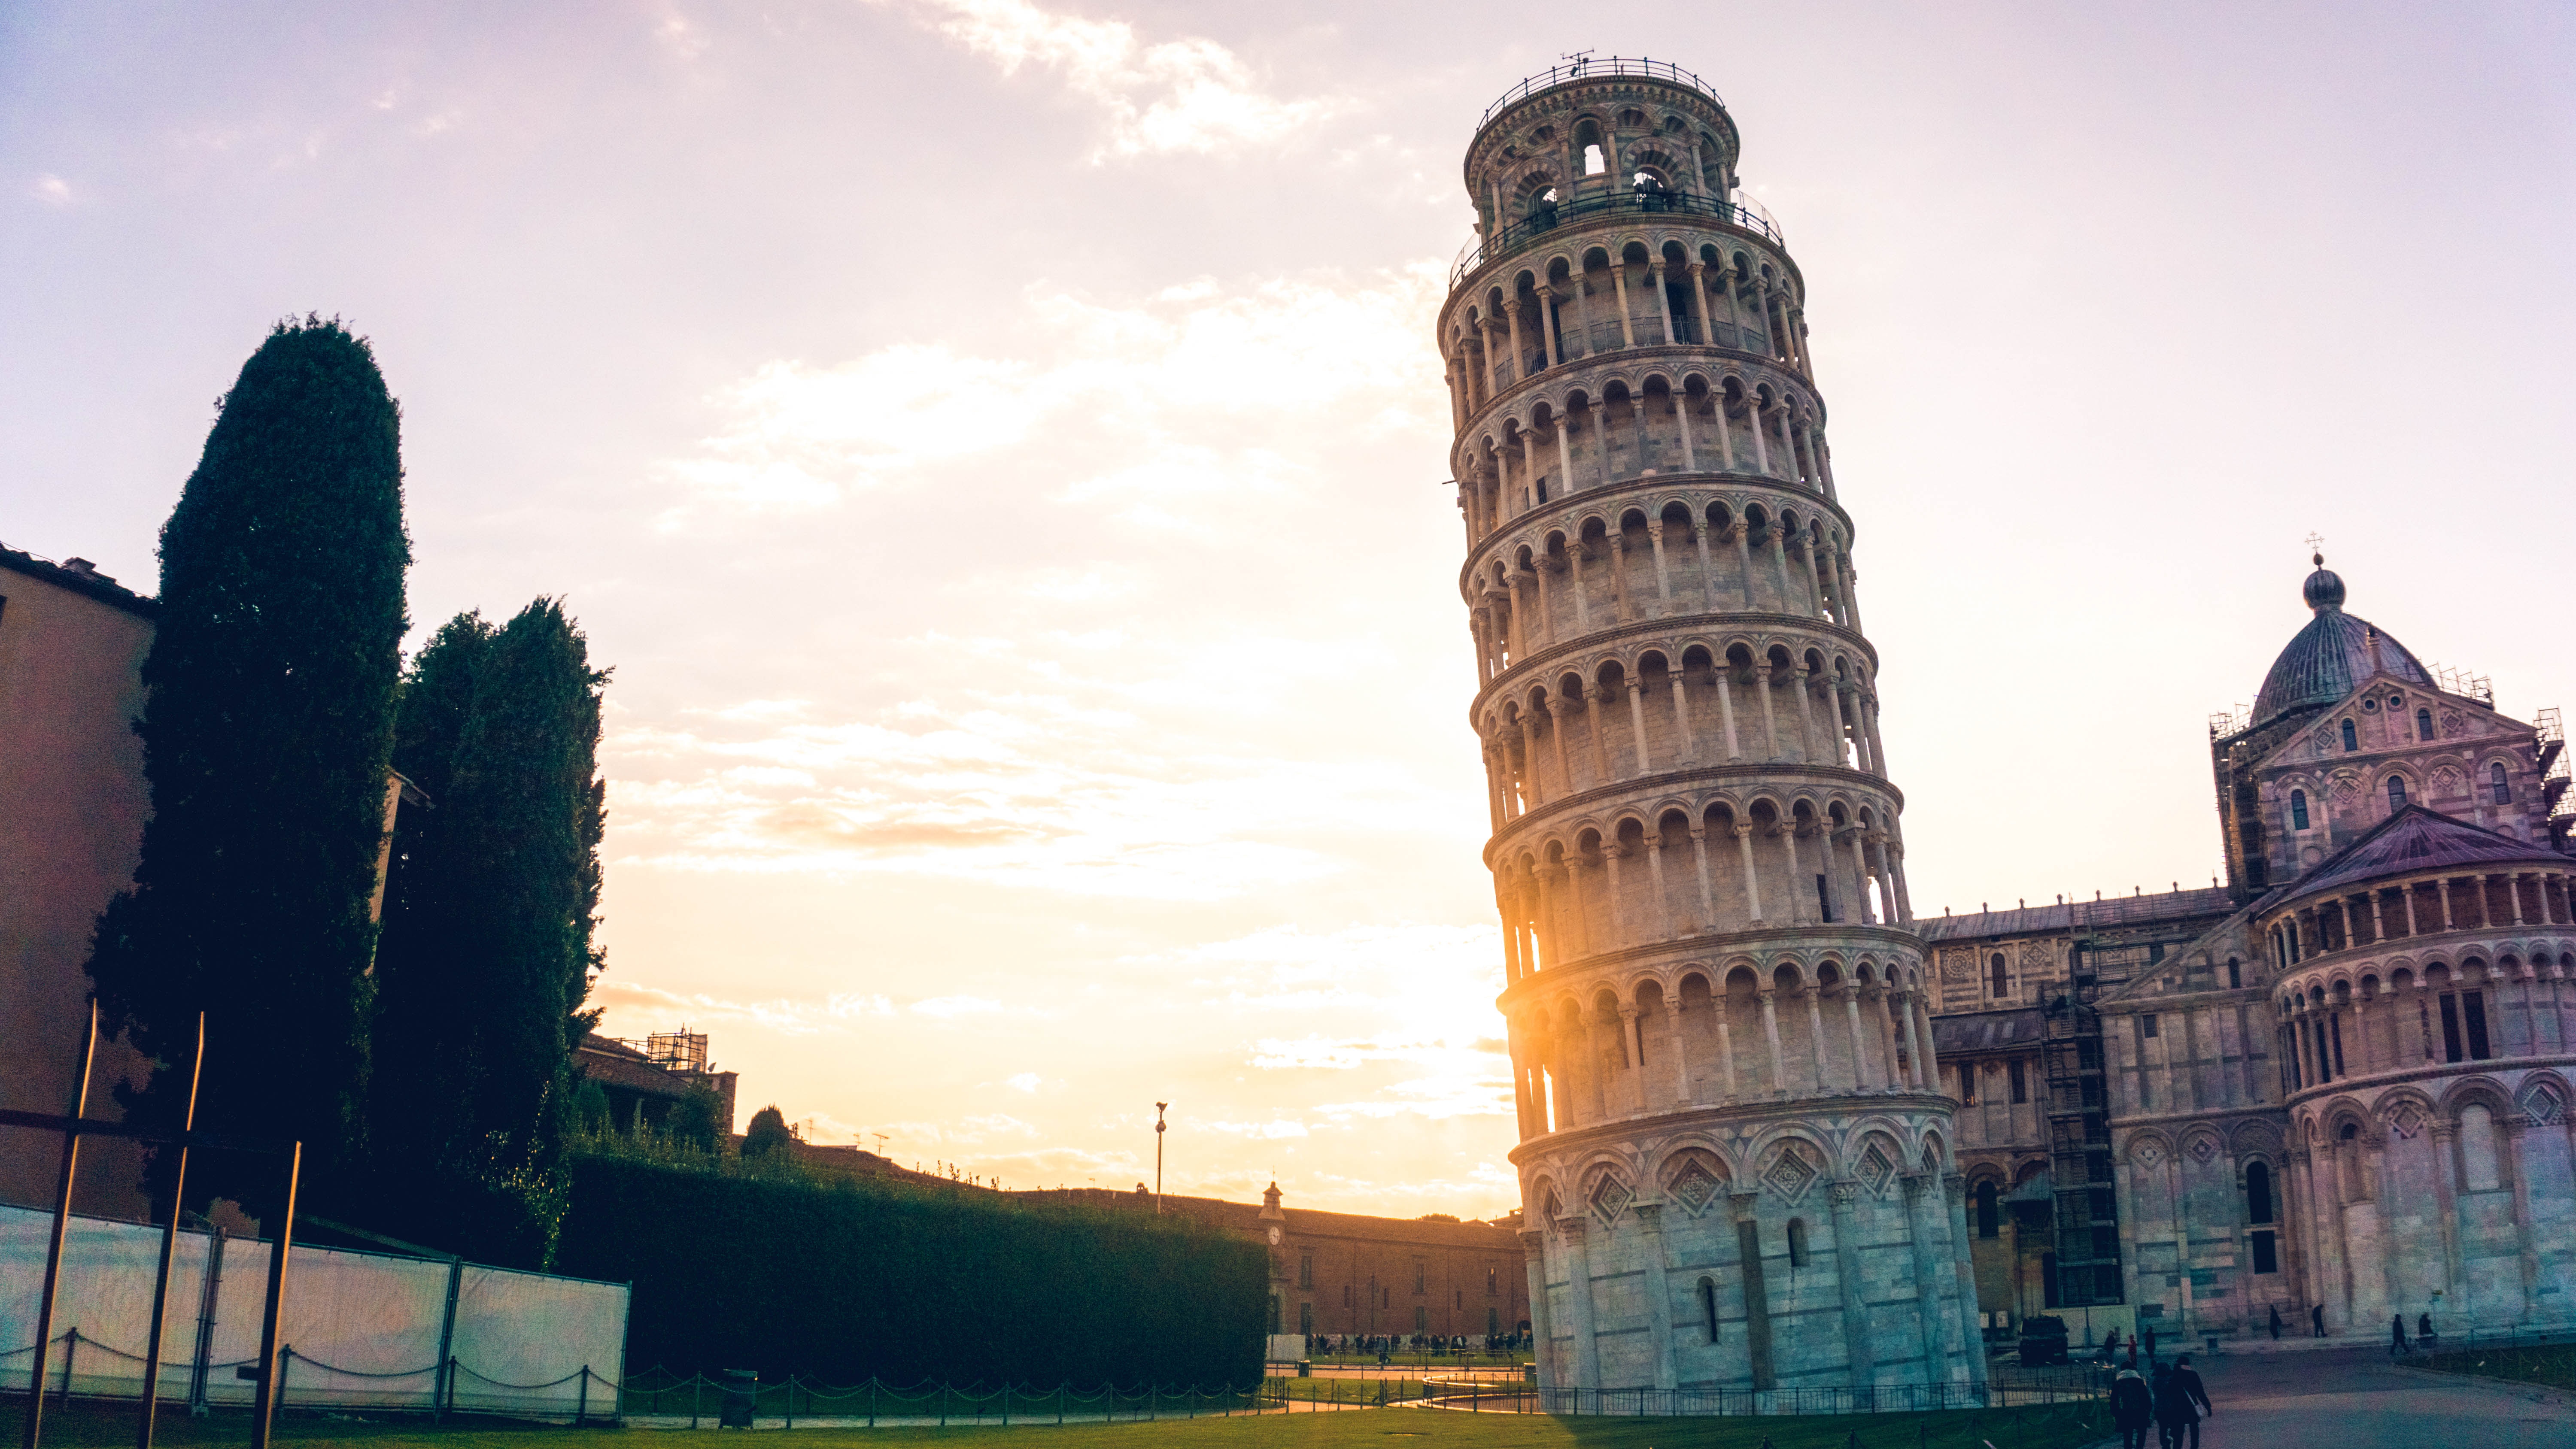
[
  {"x": 169, "y": 1247},
  {"x": 264, "y": 1410},
  {"x": 62, "y": 1220},
  {"x": 206, "y": 1300},
  {"x": 1158, "y": 1157},
  {"x": 443, "y": 1387}
]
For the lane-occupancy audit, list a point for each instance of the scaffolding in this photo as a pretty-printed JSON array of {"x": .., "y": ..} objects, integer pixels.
[
  {"x": 2079, "y": 1143},
  {"x": 2551, "y": 736},
  {"x": 678, "y": 1051}
]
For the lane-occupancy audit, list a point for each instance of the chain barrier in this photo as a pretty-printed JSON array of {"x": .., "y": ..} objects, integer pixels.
[{"x": 515, "y": 1399}]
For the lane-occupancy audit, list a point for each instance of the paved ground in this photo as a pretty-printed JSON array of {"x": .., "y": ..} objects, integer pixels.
[{"x": 2348, "y": 1399}]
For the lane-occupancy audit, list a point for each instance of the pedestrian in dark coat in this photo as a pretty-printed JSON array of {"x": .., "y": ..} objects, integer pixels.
[
  {"x": 2150, "y": 1336},
  {"x": 2176, "y": 1414},
  {"x": 2132, "y": 1409},
  {"x": 2397, "y": 1336},
  {"x": 2187, "y": 1379},
  {"x": 2317, "y": 1318},
  {"x": 2276, "y": 1323}
]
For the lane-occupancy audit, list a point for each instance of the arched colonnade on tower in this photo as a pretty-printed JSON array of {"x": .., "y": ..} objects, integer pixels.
[
  {"x": 1736, "y": 1030},
  {"x": 1579, "y": 304},
  {"x": 2480, "y": 1000},
  {"x": 1637, "y": 875},
  {"x": 1660, "y": 416},
  {"x": 1578, "y": 571},
  {"x": 1729, "y": 700}
]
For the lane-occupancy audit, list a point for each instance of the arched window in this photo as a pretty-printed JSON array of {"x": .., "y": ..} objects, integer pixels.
[
  {"x": 2503, "y": 786},
  {"x": 2298, "y": 810},
  {"x": 2396, "y": 792},
  {"x": 1708, "y": 1306},
  {"x": 1996, "y": 984},
  {"x": 2235, "y": 974},
  {"x": 1990, "y": 1216},
  {"x": 2349, "y": 743},
  {"x": 2258, "y": 1193},
  {"x": 1797, "y": 1242},
  {"x": 2423, "y": 724}
]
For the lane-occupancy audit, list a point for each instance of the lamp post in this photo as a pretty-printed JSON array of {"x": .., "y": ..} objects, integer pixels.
[{"x": 1158, "y": 1157}]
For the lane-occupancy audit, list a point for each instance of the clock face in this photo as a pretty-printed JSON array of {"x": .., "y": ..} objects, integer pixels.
[{"x": 1274, "y": 1236}]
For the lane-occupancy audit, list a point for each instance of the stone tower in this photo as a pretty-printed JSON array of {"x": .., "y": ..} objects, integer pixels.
[{"x": 1734, "y": 1147}]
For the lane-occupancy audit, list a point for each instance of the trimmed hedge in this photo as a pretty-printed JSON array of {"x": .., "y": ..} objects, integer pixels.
[{"x": 852, "y": 1281}]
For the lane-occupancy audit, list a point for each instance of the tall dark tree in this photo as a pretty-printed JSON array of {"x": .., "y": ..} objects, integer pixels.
[
  {"x": 488, "y": 950},
  {"x": 423, "y": 1024},
  {"x": 267, "y": 734}
]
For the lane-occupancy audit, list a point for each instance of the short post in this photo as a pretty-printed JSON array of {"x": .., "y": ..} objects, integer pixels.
[
  {"x": 695, "y": 1381},
  {"x": 264, "y": 1410},
  {"x": 62, "y": 1221},
  {"x": 791, "y": 1401},
  {"x": 581, "y": 1402},
  {"x": 71, "y": 1346},
  {"x": 169, "y": 1247}
]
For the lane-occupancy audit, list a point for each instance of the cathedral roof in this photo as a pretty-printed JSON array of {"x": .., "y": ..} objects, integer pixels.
[
  {"x": 2330, "y": 658},
  {"x": 2415, "y": 839}
]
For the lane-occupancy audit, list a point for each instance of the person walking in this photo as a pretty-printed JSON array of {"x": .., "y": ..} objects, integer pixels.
[
  {"x": 2187, "y": 1379},
  {"x": 2397, "y": 1336},
  {"x": 2176, "y": 1413},
  {"x": 2132, "y": 1409},
  {"x": 2150, "y": 1335},
  {"x": 2424, "y": 1332},
  {"x": 2111, "y": 1346},
  {"x": 2276, "y": 1323},
  {"x": 2317, "y": 1318}
]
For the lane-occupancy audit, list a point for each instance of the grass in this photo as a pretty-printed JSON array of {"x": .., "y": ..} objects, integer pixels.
[
  {"x": 2062, "y": 1427},
  {"x": 2546, "y": 1366}
]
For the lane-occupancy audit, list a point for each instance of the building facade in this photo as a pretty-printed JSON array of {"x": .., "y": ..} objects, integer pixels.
[
  {"x": 1350, "y": 1274},
  {"x": 1736, "y": 1160},
  {"x": 72, "y": 803},
  {"x": 2337, "y": 1086}
]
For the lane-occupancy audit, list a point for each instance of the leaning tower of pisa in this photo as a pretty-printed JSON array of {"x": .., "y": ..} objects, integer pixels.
[{"x": 1734, "y": 1143}]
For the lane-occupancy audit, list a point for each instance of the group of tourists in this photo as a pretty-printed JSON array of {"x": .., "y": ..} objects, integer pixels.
[{"x": 2174, "y": 1402}]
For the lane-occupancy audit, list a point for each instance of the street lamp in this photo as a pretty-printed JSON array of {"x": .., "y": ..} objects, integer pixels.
[{"x": 1158, "y": 1157}]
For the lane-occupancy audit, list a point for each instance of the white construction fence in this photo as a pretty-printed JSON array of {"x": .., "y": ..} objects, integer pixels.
[{"x": 357, "y": 1329}]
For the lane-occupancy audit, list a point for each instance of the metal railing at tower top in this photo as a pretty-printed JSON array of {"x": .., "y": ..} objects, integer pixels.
[
  {"x": 1590, "y": 69},
  {"x": 1554, "y": 214}
]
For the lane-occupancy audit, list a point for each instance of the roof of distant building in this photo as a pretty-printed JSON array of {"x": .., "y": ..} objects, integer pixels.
[
  {"x": 2071, "y": 916},
  {"x": 612, "y": 1063},
  {"x": 1306, "y": 1222},
  {"x": 1988, "y": 1031},
  {"x": 81, "y": 577},
  {"x": 2329, "y": 659},
  {"x": 2413, "y": 839}
]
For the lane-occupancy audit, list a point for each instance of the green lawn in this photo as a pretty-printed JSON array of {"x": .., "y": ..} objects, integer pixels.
[
  {"x": 2057, "y": 1428},
  {"x": 2551, "y": 1366}
]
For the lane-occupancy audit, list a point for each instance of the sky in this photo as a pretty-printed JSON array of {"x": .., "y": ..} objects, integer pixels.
[{"x": 997, "y": 445}]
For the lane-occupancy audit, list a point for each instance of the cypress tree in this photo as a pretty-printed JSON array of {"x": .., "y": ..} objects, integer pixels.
[
  {"x": 489, "y": 950},
  {"x": 267, "y": 734},
  {"x": 422, "y": 1023}
]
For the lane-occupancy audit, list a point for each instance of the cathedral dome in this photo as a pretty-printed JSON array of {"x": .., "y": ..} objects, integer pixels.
[{"x": 2330, "y": 657}]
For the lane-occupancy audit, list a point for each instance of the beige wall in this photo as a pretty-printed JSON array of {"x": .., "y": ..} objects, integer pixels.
[{"x": 72, "y": 805}]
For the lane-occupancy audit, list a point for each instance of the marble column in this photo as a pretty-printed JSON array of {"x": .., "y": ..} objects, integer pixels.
[
  {"x": 1659, "y": 1291},
  {"x": 1859, "y": 1354}
]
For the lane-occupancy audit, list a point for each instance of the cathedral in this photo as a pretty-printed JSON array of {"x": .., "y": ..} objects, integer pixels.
[
  {"x": 2335, "y": 1088},
  {"x": 1774, "y": 1131}
]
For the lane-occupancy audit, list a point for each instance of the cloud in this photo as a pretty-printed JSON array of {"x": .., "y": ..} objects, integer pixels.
[
  {"x": 1189, "y": 95},
  {"x": 1025, "y": 1081},
  {"x": 51, "y": 190},
  {"x": 946, "y": 1007},
  {"x": 1194, "y": 391}
]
